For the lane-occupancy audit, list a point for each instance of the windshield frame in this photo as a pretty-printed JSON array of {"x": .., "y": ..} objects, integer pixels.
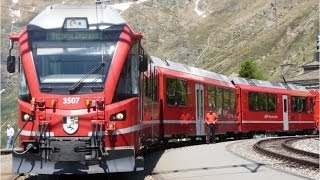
[{"x": 73, "y": 59}]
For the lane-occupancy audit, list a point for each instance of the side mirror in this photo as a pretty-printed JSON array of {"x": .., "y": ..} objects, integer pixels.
[
  {"x": 11, "y": 64},
  {"x": 143, "y": 66}
]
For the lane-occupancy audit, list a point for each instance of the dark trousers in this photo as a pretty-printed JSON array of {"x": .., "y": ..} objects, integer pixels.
[{"x": 211, "y": 133}]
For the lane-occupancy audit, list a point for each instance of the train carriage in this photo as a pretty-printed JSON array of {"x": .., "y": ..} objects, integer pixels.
[
  {"x": 273, "y": 107},
  {"x": 184, "y": 95},
  {"x": 316, "y": 112},
  {"x": 80, "y": 98}
]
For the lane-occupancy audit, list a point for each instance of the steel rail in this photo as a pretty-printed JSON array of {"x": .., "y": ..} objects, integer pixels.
[
  {"x": 257, "y": 146},
  {"x": 287, "y": 144}
]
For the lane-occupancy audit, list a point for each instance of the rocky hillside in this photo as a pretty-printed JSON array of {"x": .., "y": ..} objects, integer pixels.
[
  {"x": 217, "y": 35},
  {"x": 210, "y": 34}
]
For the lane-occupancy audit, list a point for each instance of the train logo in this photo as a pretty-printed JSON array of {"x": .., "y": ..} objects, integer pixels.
[{"x": 70, "y": 124}]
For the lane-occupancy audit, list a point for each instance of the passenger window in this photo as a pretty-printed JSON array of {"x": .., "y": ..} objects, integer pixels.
[
  {"x": 177, "y": 91},
  {"x": 272, "y": 102},
  {"x": 233, "y": 100},
  {"x": 253, "y": 99},
  {"x": 226, "y": 99},
  {"x": 211, "y": 96},
  {"x": 262, "y": 101},
  {"x": 299, "y": 104}
]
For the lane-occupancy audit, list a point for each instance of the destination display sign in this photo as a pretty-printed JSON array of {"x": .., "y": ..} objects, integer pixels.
[{"x": 69, "y": 36}]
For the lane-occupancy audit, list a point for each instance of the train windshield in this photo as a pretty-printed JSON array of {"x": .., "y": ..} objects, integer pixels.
[{"x": 72, "y": 61}]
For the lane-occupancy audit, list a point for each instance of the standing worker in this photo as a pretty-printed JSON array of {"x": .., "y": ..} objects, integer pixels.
[
  {"x": 10, "y": 133},
  {"x": 211, "y": 120}
]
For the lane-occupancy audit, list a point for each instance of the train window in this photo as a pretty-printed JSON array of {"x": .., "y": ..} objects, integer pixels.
[
  {"x": 311, "y": 104},
  {"x": 24, "y": 92},
  {"x": 233, "y": 100},
  {"x": 176, "y": 92},
  {"x": 299, "y": 104},
  {"x": 262, "y": 101},
  {"x": 285, "y": 105},
  {"x": 128, "y": 84},
  {"x": 181, "y": 92},
  {"x": 219, "y": 100},
  {"x": 253, "y": 99},
  {"x": 272, "y": 102},
  {"x": 78, "y": 61},
  {"x": 226, "y": 99},
  {"x": 211, "y": 96},
  {"x": 151, "y": 86}
]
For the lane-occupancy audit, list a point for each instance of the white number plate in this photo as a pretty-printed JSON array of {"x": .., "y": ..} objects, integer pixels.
[{"x": 71, "y": 100}]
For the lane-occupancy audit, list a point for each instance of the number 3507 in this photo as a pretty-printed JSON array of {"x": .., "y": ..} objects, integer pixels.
[{"x": 69, "y": 100}]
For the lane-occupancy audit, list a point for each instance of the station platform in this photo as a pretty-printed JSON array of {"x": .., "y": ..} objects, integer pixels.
[{"x": 212, "y": 161}]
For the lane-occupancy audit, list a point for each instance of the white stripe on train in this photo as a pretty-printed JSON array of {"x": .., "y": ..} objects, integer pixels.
[{"x": 149, "y": 123}]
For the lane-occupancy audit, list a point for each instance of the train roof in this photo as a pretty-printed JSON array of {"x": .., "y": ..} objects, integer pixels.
[
  {"x": 53, "y": 17},
  {"x": 266, "y": 84},
  {"x": 189, "y": 70}
]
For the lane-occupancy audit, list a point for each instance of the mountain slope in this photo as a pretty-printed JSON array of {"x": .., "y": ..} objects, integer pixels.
[{"x": 230, "y": 32}]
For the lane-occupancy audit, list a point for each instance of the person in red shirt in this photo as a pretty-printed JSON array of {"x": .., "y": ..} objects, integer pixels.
[{"x": 211, "y": 120}]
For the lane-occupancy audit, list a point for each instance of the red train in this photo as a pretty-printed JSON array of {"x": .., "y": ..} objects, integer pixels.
[{"x": 90, "y": 98}]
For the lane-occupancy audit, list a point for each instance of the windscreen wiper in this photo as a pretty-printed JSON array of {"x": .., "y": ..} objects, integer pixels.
[{"x": 77, "y": 85}]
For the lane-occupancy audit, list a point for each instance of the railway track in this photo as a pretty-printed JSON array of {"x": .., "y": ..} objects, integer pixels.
[
  {"x": 151, "y": 149},
  {"x": 282, "y": 148}
]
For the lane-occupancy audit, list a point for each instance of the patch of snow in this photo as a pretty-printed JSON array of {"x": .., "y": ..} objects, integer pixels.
[
  {"x": 15, "y": 1},
  {"x": 15, "y": 13},
  {"x": 124, "y": 6},
  {"x": 200, "y": 13}
]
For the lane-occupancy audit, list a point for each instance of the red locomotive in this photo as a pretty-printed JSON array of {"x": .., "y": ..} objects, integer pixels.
[
  {"x": 79, "y": 101},
  {"x": 90, "y": 98}
]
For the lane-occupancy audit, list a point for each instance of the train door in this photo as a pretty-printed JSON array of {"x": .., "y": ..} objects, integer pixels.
[
  {"x": 200, "y": 109},
  {"x": 285, "y": 112}
]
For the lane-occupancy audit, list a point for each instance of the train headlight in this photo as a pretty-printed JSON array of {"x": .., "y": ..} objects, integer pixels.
[
  {"x": 26, "y": 117},
  {"x": 120, "y": 116}
]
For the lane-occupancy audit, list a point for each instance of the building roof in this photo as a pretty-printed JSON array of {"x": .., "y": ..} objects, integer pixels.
[
  {"x": 310, "y": 78},
  {"x": 306, "y": 76}
]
